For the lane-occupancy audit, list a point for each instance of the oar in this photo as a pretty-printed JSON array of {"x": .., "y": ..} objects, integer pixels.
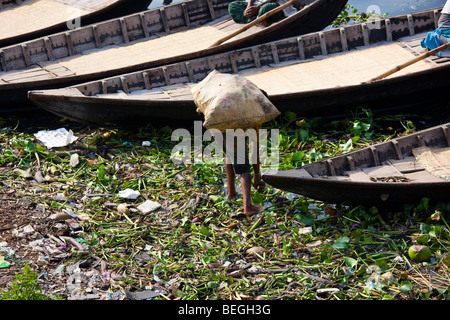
[
  {"x": 412, "y": 61},
  {"x": 302, "y": 12}
]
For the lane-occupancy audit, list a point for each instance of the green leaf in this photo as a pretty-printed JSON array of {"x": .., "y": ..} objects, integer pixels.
[
  {"x": 356, "y": 235},
  {"x": 365, "y": 126},
  {"x": 204, "y": 231},
  {"x": 41, "y": 148},
  {"x": 304, "y": 134},
  {"x": 341, "y": 243},
  {"x": 324, "y": 257},
  {"x": 29, "y": 147},
  {"x": 406, "y": 287},
  {"x": 101, "y": 173},
  {"x": 382, "y": 264},
  {"x": 291, "y": 116},
  {"x": 258, "y": 198},
  {"x": 214, "y": 197},
  {"x": 307, "y": 220},
  {"x": 346, "y": 147},
  {"x": 423, "y": 239},
  {"x": 350, "y": 262},
  {"x": 297, "y": 156}
]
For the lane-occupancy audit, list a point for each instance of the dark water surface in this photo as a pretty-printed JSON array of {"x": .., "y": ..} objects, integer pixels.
[{"x": 396, "y": 7}]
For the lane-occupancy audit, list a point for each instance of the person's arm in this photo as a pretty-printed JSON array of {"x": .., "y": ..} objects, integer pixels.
[{"x": 252, "y": 9}]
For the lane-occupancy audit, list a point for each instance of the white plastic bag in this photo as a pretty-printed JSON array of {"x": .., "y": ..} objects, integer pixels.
[{"x": 55, "y": 138}]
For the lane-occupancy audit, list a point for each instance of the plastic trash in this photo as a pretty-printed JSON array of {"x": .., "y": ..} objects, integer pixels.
[
  {"x": 59, "y": 269},
  {"x": 3, "y": 248},
  {"x": 55, "y": 138},
  {"x": 146, "y": 294},
  {"x": 129, "y": 194},
  {"x": 74, "y": 160},
  {"x": 4, "y": 263},
  {"x": 146, "y": 143},
  {"x": 148, "y": 206},
  {"x": 28, "y": 229},
  {"x": 373, "y": 282}
]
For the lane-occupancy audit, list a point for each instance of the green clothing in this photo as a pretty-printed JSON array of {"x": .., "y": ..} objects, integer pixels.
[{"x": 237, "y": 8}]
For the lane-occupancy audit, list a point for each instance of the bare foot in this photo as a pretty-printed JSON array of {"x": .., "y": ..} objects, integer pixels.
[
  {"x": 231, "y": 196},
  {"x": 257, "y": 181},
  {"x": 252, "y": 209},
  {"x": 259, "y": 184}
]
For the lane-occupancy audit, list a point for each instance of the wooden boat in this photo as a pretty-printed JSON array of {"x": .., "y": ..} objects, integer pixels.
[
  {"x": 25, "y": 20},
  {"x": 386, "y": 175},
  {"x": 155, "y": 37},
  {"x": 320, "y": 73},
  {"x": 4, "y": 4}
]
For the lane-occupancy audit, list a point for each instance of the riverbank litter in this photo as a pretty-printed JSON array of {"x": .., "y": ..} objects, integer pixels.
[{"x": 178, "y": 237}]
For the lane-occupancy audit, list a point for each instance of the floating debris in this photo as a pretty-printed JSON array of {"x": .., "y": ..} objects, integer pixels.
[
  {"x": 148, "y": 206},
  {"x": 55, "y": 138},
  {"x": 129, "y": 194}
]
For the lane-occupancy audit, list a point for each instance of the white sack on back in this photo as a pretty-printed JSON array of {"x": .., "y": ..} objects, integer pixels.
[{"x": 232, "y": 102}]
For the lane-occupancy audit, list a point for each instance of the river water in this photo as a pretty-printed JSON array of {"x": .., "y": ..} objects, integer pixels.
[
  {"x": 391, "y": 7},
  {"x": 396, "y": 7}
]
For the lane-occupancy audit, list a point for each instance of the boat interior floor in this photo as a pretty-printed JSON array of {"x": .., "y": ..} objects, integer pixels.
[
  {"x": 425, "y": 165},
  {"x": 320, "y": 72},
  {"x": 35, "y": 15},
  {"x": 114, "y": 57},
  {"x": 344, "y": 69}
]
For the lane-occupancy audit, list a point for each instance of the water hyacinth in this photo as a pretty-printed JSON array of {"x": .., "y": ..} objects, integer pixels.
[{"x": 197, "y": 245}]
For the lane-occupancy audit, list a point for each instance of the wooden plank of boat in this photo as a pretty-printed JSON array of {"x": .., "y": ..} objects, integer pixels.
[
  {"x": 314, "y": 74},
  {"x": 390, "y": 186},
  {"x": 150, "y": 38},
  {"x": 35, "y": 18}
]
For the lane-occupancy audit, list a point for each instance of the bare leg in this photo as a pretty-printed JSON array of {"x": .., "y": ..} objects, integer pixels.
[
  {"x": 231, "y": 178},
  {"x": 257, "y": 182},
  {"x": 249, "y": 208}
]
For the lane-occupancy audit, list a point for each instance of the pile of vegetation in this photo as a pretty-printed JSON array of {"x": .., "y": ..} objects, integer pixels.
[{"x": 197, "y": 245}]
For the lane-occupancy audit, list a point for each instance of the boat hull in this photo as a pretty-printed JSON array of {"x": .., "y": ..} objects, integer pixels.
[
  {"x": 379, "y": 96},
  {"x": 316, "y": 19},
  {"x": 119, "y": 8},
  {"x": 381, "y": 195},
  {"x": 387, "y": 175},
  {"x": 113, "y": 112}
]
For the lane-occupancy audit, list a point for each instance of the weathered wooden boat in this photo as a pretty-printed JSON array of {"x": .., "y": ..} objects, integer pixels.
[
  {"x": 173, "y": 33},
  {"x": 387, "y": 175},
  {"x": 4, "y": 4},
  {"x": 24, "y": 20},
  {"x": 320, "y": 73}
]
